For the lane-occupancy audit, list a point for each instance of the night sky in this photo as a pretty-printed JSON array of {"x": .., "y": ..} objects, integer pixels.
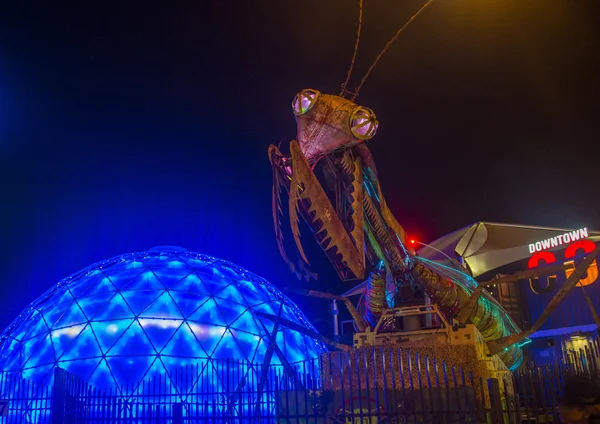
[{"x": 126, "y": 125}]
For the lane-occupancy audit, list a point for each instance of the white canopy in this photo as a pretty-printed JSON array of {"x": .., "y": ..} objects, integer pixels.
[{"x": 486, "y": 246}]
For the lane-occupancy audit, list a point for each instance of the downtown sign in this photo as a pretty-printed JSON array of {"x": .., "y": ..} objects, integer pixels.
[
  {"x": 569, "y": 249},
  {"x": 575, "y": 251},
  {"x": 562, "y": 239}
]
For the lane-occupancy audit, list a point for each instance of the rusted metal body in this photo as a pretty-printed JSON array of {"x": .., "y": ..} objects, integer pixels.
[{"x": 349, "y": 218}]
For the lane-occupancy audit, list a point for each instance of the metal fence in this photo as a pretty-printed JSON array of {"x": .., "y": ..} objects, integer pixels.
[
  {"x": 212, "y": 391},
  {"x": 23, "y": 401},
  {"x": 539, "y": 387},
  {"x": 374, "y": 385}
]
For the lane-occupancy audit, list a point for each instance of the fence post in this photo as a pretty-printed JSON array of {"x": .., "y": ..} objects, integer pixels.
[
  {"x": 497, "y": 415},
  {"x": 58, "y": 397},
  {"x": 177, "y": 413}
]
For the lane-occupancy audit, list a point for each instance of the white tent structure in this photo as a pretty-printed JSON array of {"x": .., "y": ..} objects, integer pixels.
[{"x": 486, "y": 246}]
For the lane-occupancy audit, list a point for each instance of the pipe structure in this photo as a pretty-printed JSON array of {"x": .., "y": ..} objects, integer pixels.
[
  {"x": 375, "y": 299},
  {"x": 487, "y": 315}
]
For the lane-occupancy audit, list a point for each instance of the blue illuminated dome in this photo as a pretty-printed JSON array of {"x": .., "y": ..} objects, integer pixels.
[{"x": 138, "y": 315}]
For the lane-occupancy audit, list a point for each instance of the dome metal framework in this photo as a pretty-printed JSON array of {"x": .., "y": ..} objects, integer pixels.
[{"x": 137, "y": 315}]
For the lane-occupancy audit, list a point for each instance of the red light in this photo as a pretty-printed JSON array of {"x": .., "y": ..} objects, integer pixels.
[{"x": 412, "y": 241}]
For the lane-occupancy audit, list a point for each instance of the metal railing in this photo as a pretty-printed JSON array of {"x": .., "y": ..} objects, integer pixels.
[{"x": 370, "y": 385}]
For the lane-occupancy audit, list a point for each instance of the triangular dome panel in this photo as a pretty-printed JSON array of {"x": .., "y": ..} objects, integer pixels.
[
  {"x": 93, "y": 304},
  {"x": 108, "y": 332},
  {"x": 173, "y": 276},
  {"x": 12, "y": 354},
  {"x": 139, "y": 300},
  {"x": 83, "y": 346},
  {"x": 82, "y": 286},
  {"x": 230, "y": 343},
  {"x": 161, "y": 307},
  {"x": 42, "y": 373},
  {"x": 210, "y": 336},
  {"x": 147, "y": 280},
  {"x": 129, "y": 369},
  {"x": 208, "y": 313},
  {"x": 52, "y": 315},
  {"x": 188, "y": 303},
  {"x": 134, "y": 341},
  {"x": 38, "y": 350},
  {"x": 119, "y": 309},
  {"x": 37, "y": 326},
  {"x": 121, "y": 275},
  {"x": 72, "y": 316},
  {"x": 246, "y": 322},
  {"x": 156, "y": 368},
  {"x": 64, "y": 338},
  {"x": 101, "y": 377},
  {"x": 249, "y": 343},
  {"x": 82, "y": 368},
  {"x": 183, "y": 343},
  {"x": 190, "y": 283},
  {"x": 230, "y": 311},
  {"x": 102, "y": 285},
  {"x": 160, "y": 331},
  {"x": 251, "y": 297}
]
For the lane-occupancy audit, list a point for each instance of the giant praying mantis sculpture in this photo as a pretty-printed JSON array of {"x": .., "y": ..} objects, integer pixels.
[{"x": 357, "y": 230}]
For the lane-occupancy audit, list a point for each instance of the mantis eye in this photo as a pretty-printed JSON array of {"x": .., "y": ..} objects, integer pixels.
[
  {"x": 304, "y": 100},
  {"x": 363, "y": 123}
]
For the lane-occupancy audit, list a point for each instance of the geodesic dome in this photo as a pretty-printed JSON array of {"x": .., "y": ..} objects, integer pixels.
[{"x": 138, "y": 315}]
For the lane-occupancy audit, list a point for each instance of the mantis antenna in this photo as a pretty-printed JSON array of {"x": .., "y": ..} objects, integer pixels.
[
  {"x": 344, "y": 91},
  {"x": 387, "y": 46}
]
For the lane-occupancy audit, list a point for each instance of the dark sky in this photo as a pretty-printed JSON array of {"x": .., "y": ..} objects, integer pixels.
[{"x": 125, "y": 125}]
